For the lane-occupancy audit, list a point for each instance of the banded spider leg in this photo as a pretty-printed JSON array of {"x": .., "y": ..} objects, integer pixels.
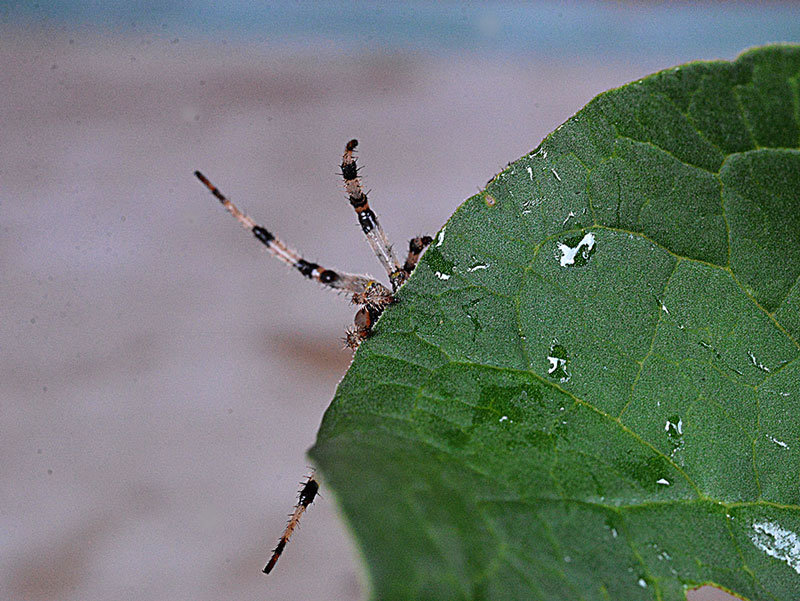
[
  {"x": 363, "y": 290},
  {"x": 372, "y": 229},
  {"x": 305, "y": 497}
]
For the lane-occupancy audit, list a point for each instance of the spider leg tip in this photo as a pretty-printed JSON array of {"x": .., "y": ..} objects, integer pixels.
[{"x": 204, "y": 180}]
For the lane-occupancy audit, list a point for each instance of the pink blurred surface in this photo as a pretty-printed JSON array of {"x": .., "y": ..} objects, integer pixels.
[{"x": 162, "y": 376}]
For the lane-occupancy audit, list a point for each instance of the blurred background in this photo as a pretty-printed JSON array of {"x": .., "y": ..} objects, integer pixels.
[{"x": 161, "y": 376}]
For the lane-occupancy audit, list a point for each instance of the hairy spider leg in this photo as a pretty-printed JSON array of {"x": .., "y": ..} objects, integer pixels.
[
  {"x": 306, "y": 496},
  {"x": 366, "y": 217},
  {"x": 415, "y": 248},
  {"x": 362, "y": 288},
  {"x": 365, "y": 318}
]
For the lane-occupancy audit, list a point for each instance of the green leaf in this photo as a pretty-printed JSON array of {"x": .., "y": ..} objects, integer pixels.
[{"x": 590, "y": 388}]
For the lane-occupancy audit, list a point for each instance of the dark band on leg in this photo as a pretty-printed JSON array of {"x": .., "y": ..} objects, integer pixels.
[
  {"x": 306, "y": 268},
  {"x": 349, "y": 171},
  {"x": 308, "y": 493},
  {"x": 358, "y": 200},
  {"x": 276, "y": 553},
  {"x": 214, "y": 190},
  {"x": 263, "y": 235},
  {"x": 367, "y": 220},
  {"x": 328, "y": 276}
]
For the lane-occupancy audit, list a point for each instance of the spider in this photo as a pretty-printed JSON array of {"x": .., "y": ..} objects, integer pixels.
[{"x": 372, "y": 296}]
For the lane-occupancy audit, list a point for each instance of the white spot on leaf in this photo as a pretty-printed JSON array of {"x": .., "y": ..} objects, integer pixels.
[
  {"x": 757, "y": 363},
  {"x": 441, "y": 236},
  {"x": 568, "y": 254},
  {"x": 555, "y": 363},
  {"x": 777, "y": 542},
  {"x": 780, "y": 443},
  {"x": 678, "y": 428}
]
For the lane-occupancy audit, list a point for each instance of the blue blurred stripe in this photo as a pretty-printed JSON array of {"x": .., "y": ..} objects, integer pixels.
[{"x": 612, "y": 29}]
